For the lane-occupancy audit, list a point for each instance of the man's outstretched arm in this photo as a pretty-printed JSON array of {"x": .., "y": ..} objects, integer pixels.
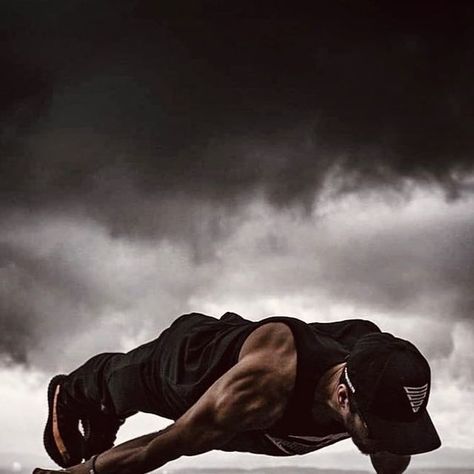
[{"x": 387, "y": 463}]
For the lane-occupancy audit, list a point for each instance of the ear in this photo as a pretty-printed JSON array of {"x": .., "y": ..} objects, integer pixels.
[{"x": 342, "y": 399}]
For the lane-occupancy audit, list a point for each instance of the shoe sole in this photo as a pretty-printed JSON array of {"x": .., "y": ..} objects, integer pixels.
[{"x": 52, "y": 439}]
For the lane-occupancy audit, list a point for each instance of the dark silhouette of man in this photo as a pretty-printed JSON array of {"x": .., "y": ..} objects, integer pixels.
[{"x": 278, "y": 386}]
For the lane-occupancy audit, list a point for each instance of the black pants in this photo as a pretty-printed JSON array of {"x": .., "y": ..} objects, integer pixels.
[
  {"x": 114, "y": 383},
  {"x": 164, "y": 376}
]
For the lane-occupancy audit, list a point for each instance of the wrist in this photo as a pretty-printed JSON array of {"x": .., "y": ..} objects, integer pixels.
[{"x": 90, "y": 465}]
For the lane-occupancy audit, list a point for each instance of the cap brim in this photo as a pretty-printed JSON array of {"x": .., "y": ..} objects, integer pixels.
[{"x": 402, "y": 438}]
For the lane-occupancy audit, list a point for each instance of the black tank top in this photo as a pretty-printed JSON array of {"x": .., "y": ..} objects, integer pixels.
[{"x": 197, "y": 349}]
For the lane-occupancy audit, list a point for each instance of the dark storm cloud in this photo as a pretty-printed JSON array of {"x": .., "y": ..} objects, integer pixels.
[
  {"x": 159, "y": 122},
  {"x": 223, "y": 103}
]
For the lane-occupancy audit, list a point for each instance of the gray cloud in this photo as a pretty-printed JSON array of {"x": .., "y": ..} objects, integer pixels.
[
  {"x": 422, "y": 265},
  {"x": 41, "y": 300},
  {"x": 407, "y": 265},
  {"x": 68, "y": 286}
]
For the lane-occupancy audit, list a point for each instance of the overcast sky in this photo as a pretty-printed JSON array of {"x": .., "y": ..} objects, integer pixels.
[{"x": 257, "y": 160}]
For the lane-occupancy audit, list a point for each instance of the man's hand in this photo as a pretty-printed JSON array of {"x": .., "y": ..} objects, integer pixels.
[
  {"x": 51, "y": 471},
  {"x": 45, "y": 471},
  {"x": 388, "y": 463},
  {"x": 83, "y": 468},
  {"x": 78, "y": 469}
]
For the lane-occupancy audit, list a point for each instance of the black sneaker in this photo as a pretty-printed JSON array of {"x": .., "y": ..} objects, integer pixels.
[
  {"x": 100, "y": 432},
  {"x": 62, "y": 439}
]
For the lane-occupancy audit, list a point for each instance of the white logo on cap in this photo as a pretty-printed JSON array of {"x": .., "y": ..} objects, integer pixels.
[
  {"x": 416, "y": 396},
  {"x": 348, "y": 380}
]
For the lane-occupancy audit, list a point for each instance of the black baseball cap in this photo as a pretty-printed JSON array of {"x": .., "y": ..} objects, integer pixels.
[{"x": 390, "y": 381}]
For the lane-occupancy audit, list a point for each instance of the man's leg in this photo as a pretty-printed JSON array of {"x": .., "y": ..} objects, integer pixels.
[
  {"x": 100, "y": 394},
  {"x": 81, "y": 396}
]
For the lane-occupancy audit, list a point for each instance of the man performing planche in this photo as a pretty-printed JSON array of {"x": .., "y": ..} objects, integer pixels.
[{"x": 279, "y": 386}]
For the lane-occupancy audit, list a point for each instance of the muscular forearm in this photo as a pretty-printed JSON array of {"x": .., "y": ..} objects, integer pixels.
[
  {"x": 387, "y": 463},
  {"x": 133, "y": 457},
  {"x": 144, "y": 454},
  {"x": 149, "y": 452}
]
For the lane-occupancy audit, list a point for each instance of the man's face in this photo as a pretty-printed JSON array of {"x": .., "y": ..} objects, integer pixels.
[{"x": 357, "y": 428}]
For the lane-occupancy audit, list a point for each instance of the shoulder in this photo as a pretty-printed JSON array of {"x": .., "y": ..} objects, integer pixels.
[{"x": 270, "y": 338}]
